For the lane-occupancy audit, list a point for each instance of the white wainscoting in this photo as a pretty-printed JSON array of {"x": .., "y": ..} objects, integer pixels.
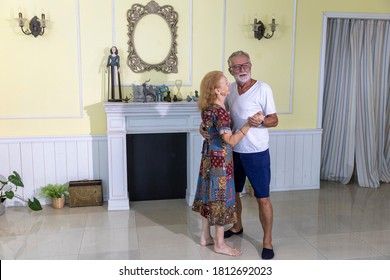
[
  {"x": 50, "y": 160},
  {"x": 295, "y": 160}
]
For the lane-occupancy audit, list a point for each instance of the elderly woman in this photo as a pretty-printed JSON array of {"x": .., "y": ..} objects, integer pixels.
[{"x": 215, "y": 194}]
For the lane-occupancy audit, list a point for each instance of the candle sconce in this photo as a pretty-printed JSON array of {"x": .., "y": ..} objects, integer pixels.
[
  {"x": 259, "y": 29},
  {"x": 36, "y": 26}
]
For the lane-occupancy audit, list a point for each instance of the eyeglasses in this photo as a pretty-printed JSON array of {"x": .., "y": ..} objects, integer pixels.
[{"x": 238, "y": 67}]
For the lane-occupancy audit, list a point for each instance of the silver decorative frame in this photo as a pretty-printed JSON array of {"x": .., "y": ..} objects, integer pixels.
[{"x": 134, "y": 15}]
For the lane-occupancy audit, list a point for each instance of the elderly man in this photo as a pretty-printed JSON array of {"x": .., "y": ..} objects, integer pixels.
[{"x": 252, "y": 101}]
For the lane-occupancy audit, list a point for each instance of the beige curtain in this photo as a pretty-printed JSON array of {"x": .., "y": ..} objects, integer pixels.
[{"x": 356, "y": 105}]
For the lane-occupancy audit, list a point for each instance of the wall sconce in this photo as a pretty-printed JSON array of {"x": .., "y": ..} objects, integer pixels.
[
  {"x": 259, "y": 29},
  {"x": 35, "y": 27}
]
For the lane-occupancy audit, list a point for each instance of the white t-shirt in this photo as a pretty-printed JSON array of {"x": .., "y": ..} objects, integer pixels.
[{"x": 258, "y": 98}]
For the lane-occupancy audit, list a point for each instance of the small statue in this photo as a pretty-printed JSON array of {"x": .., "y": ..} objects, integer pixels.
[
  {"x": 160, "y": 91},
  {"x": 196, "y": 97},
  {"x": 148, "y": 92},
  {"x": 168, "y": 97},
  {"x": 114, "y": 65},
  {"x": 138, "y": 95}
]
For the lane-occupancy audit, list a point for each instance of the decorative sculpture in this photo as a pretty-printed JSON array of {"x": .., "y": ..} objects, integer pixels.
[
  {"x": 160, "y": 91},
  {"x": 168, "y": 97},
  {"x": 138, "y": 95},
  {"x": 114, "y": 64},
  {"x": 196, "y": 97},
  {"x": 149, "y": 93}
]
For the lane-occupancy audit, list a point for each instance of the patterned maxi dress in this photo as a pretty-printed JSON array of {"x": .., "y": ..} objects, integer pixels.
[{"x": 215, "y": 193}]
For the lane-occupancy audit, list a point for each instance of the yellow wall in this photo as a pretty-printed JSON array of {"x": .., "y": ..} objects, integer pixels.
[{"x": 56, "y": 84}]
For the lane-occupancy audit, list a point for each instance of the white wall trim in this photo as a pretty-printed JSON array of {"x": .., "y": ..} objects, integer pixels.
[
  {"x": 356, "y": 15},
  {"x": 113, "y": 21},
  {"x": 223, "y": 37},
  {"x": 292, "y": 72},
  {"x": 79, "y": 63}
]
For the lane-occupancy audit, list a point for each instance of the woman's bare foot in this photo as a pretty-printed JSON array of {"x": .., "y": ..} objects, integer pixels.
[
  {"x": 227, "y": 250},
  {"x": 206, "y": 241}
]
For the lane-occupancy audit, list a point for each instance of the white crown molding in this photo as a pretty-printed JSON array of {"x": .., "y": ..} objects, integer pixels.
[{"x": 356, "y": 15}]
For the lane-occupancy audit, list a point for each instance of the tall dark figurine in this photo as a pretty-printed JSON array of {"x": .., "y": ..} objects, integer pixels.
[{"x": 113, "y": 63}]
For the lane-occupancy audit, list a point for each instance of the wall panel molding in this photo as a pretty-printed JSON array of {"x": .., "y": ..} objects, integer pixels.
[
  {"x": 293, "y": 44},
  {"x": 79, "y": 94}
]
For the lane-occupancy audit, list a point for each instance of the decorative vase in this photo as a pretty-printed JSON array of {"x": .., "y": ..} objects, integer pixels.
[
  {"x": 2, "y": 208},
  {"x": 58, "y": 202}
]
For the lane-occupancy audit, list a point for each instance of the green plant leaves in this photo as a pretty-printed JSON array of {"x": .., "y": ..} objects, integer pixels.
[
  {"x": 16, "y": 179},
  {"x": 54, "y": 191},
  {"x": 9, "y": 194},
  {"x": 34, "y": 205}
]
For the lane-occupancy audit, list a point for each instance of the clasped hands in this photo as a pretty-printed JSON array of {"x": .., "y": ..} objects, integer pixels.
[{"x": 255, "y": 120}]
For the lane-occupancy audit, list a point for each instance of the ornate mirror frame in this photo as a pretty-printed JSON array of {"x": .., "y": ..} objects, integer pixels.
[{"x": 134, "y": 15}]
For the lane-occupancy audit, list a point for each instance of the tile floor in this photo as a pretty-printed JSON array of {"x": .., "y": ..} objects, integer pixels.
[{"x": 336, "y": 222}]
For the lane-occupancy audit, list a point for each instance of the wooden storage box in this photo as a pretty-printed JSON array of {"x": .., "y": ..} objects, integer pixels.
[{"x": 85, "y": 193}]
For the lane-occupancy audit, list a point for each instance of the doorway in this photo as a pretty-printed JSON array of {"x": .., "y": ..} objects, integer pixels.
[{"x": 354, "y": 102}]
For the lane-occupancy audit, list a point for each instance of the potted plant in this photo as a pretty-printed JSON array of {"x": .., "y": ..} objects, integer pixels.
[
  {"x": 8, "y": 189},
  {"x": 56, "y": 192}
]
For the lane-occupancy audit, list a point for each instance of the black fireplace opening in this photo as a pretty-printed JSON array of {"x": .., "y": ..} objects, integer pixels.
[{"x": 156, "y": 166}]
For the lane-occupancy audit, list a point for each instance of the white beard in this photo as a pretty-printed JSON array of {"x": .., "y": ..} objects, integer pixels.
[{"x": 242, "y": 79}]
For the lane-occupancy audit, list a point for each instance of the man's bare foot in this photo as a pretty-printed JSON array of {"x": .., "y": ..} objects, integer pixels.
[
  {"x": 206, "y": 241},
  {"x": 227, "y": 250}
]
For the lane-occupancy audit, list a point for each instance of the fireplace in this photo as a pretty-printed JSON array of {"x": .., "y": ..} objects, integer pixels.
[
  {"x": 156, "y": 166},
  {"x": 147, "y": 118}
]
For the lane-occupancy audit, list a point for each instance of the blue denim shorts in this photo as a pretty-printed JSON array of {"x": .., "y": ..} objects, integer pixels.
[{"x": 255, "y": 166}]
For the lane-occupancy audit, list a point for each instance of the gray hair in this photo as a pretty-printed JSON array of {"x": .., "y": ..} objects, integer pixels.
[{"x": 237, "y": 53}]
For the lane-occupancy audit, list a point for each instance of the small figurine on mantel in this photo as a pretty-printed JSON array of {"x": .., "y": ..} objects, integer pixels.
[
  {"x": 114, "y": 74},
  {"x": 196, "y": 97},
  {"x": 160, "y": 91},
  {"x": 149, "y": 92},
  {"x": 168, "y": 97}
]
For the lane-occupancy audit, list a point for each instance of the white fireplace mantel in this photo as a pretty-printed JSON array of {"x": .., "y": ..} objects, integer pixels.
[{"x": 141, "y": 118}]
